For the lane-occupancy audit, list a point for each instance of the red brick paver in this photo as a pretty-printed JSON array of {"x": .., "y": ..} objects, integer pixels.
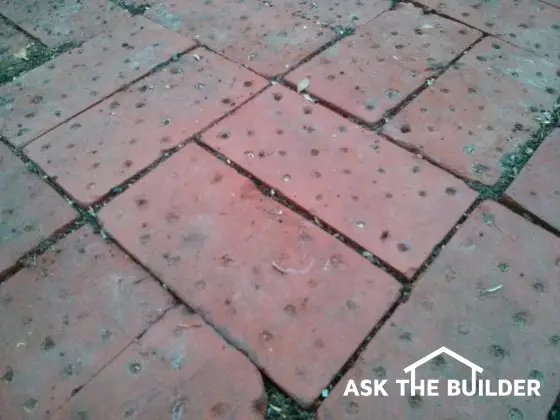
[
  {"x": 112, "y": 141},
  {"x": 52, "y": 93},
  {"x": 30, "y": 210},
  {"x": 180, "y": 369},
  {"x": 511, "y": 332},
  {"x": 335, "y": 12},
  {"x": 280, "y": 288},
  {"x": 531, "y": 24},
  {"x": 66, "y": 317},
  {"x": 57, "y": 22},
  {"x": 267, "y": 39},
  {"x": 394, "y": 204},
  {"x": 475, "y": 114},
  {"x": 538, "y": 186},
  {"x": 387, "y": 59}
]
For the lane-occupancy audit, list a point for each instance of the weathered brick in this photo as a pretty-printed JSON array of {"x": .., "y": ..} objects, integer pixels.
[
  {"x": 110, "y": 142},
  {"x": 476, "y": 114},
  {"x": 267, "y": 39},
  {"x": 56, "y": 23},
  {"x": 335, "y": 12},
  {"x": 180, "y": 369},
  {"x": 391, "y": 202},
  {"x": 66, "y": 317},
  {"x": 537, "y": 187},
  {"x": 30, "y": 210},
  {"x": 489, "y": 296},
  {"x": 530, "y": 24},
  {"x": 47, "y": 96},
  {"x": 280, "y": 288},
  {"x": 368, "y": 73}
]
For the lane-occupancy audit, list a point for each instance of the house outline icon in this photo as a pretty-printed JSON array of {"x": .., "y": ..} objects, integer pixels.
[{"x": 412, "y": 368}]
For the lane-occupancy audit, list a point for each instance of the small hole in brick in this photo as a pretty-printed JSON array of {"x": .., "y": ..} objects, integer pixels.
[
  {"x": 384, "y": 235},
  {"x": 306, "y": 110},
  {"x": 314, "y": 152},
  {"x": 277, "y": 97},
  {"x": 127, "y": 163},
  {"x": 224, "y": 135},
  {"x": 402, "y": 247},
  {"x": 450, "y": 191},
  {"x": 405, "y": 128},
  {"x": 248, "y": 83}
]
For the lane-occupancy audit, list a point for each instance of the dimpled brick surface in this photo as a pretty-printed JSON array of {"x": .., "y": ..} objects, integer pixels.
[{"x": 281, "y": 289}]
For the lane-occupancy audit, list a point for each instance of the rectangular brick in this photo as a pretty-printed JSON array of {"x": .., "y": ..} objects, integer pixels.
[
  {"x": 537, "y": 188},
  {"x": 59, "y": 22},
  {"x": 280, "y": 288},
  {"x": 66, "y": 317},
  {"x": 530, "y": 24},
  {"x": 180, "y": 369},
  {"x": 266, "y": 39},
  {"x": 477, "y": 113},
  {"x": 30, "y": 210},
  {"x": 340, "y": 172},
  {"x": 490, "y": 296},
  {"x": 54, "y": 92},
  {"x": 112, "y": 141},
  {"x": 335, "y": 12},
  {"x": 385, "y": 61}
]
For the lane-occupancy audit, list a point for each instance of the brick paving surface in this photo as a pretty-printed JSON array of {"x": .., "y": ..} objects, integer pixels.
[
  {"x": 30, "y": 210},
  {"x": 506, "y": 89},
  {"x": 338, "y": 170},
  {"x": 511, "y": 332},
  {"x": 537, "y": 188},
  {"x": 386, "y": 61},
  {"x": 531, "y": 24},
  {"x": 65, "y": 317},
  {"x": 226, "y": 209},
  {"x": 267, "y": 39},
  {"x": 128, "y": 131},
  {"x": 283, "y": 279},
  {"x": 54, "y": 92}
]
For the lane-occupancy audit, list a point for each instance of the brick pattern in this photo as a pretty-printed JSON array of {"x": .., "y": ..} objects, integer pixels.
[{"x": 163, "y": 131}]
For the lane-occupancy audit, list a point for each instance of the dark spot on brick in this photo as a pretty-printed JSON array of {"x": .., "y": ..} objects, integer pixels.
[
  {"x": 134, "y": 367},
  {"x": 415, "y": 401},
  {"x": 277, "y": 97},
  {"x": 48, "y": 343},
  {"x": 248, "y": 83},
  {"x": 405, "y": 128},
  {"x": 450, "y": 191},
  {"x": 497, "y": 351},
  {"x": 402, "y": 247},
  {"x": 8, "y": 375}
]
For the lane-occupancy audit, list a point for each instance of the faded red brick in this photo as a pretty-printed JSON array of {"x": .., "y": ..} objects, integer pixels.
[
  {"x": 110, "y": 142},
  {"x": 54, "y": 92},
  {"x": 267, "y": 39},
  {"x": 391, "y": 202},
  {"x": 180, "y": 369},
  {"x": 66, "y": 317},
  {"x": 477, "y": 113},
  {"x": 30, "y": 210},
  {"x": 530, "y": 24},
  {"x": 537, "y": 188},
  {"x": 335, "y": 12},
  {"x": 279, "y": 287},
  {"x": 56, "y": 23},
  {"x": 511, "y": 332},
  {"x": 367, "y": 74}
]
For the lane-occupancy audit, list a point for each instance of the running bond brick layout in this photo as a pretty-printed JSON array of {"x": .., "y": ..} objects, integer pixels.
[{"x": 228, "y": 209}]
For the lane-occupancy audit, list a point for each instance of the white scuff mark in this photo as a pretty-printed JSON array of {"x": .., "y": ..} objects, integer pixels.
[
  {"x": 288, "y": 270},
  {"x": 491, "y": 290}
]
